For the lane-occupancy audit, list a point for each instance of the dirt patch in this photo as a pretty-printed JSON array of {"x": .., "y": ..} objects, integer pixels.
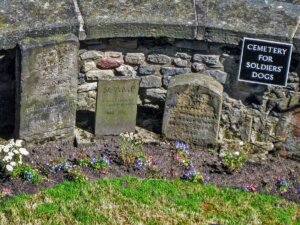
[{"x": 262, "y": 177}]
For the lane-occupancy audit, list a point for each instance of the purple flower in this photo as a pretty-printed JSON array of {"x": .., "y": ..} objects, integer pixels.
[
  {"x": 191, "y": 173},
  {"x": 298, "y": 190},
  {"x": 245, "y": 188},
  {"x": 106, "y": 160},
  {"x": 282, "y": 183},
  {"x": 181, "y": 146},
  {"x": 28, "y": 175},
  {"x": 138, "y": 163},
  {"x": 207, "y": 178}
]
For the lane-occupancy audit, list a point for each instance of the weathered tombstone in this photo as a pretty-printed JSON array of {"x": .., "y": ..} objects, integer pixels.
[
  {"x": 47, "y": 88},
  {"x": 116, "y": 106},
  {"x": 192, "y": 110}
]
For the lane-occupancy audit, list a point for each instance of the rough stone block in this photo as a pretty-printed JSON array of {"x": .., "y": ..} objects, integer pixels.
[
  {"x": 146, "y": 70},
  {"x": 116, "y": 106},
  {"x": 156, "y": 95},
  {"x": 87, "y": 87},
  {"x": 94, "y": 75},
  {"x": 183, "y": 55},
  {"x": 180, "y": 62},
  {"x": 297, "y": 40},
  {"x": 27, "y": 18},
  {"x": 93, "y": 54},
  {"x": 114, "y": 18},
  {"x": 159, "y": 59},
  {"x": 109, "y": 63},
  {"x": 229, "y": 21},
  {"x": 135, "y": 58},
  {"x": 88, "y": 65},
  {"x": 193, "y": 108},
  {"x": 288, "y": 129},
  {"x": 201, "y": 11},
  {"x": 47, "y": 88},
  {"x": 151, "y": 81},
  {"x": 125, "y": 70},
  {"x": 198, "y": 67},
  {"x": 172, "y": 71},
  {"x": 219, "y": 75}
]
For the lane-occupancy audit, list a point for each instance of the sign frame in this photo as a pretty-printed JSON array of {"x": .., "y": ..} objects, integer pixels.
[{"x": 264, "y": 83}]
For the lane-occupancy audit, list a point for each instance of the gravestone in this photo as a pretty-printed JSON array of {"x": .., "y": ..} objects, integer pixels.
[
  {"x": 116, "y": 106},
  {"x": 46, "y": 88},
  {"x": 192, "y": 110}
]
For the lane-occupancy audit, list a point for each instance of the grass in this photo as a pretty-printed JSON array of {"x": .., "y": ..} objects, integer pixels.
[{"x": 130, "y": 200}]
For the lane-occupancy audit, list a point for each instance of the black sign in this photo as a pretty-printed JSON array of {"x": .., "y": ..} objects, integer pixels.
[{"x": 265, "y": 62}]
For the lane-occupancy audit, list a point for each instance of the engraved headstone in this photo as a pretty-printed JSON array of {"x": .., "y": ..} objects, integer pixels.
[
  {"x": 192, "y": 110},
  {"x": 116, "y": 106},
  {"x": 47, "y": 88}
]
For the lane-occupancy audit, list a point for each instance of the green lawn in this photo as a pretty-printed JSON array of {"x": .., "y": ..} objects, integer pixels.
[{"x": 130, "y": 200}]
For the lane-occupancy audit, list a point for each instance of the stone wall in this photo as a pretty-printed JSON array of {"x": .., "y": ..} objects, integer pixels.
[
  {"x": 250, "y": 112},
  {"x": 156, "y": 40}
]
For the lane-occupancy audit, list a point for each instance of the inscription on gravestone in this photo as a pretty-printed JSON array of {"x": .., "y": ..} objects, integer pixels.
[
  {"x": 116, "y": 106},
  {"x": 265, "y": 62},
  {"x": 47, "y": 88},
  {"x": 192, "y": 110}
]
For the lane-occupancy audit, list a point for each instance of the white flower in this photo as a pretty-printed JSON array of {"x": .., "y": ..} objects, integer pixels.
[
  {"x": 23, "y": 151},
  {"x": 19, "y": 143},
  {"x": 6, "y": 149},
  {"x": 13, "y": 163},
  {"x": 237, "y": 153},
  {"x": 5, "y": 158},
  {"x": 11, "y": 142},
  {"x": 9, "y": 168},
  {"x": 11, "y": 154},
  {"x": 16, "y": 151},
  {"x": 241, "y": 143},
  {"x": 131, "y": 136}
]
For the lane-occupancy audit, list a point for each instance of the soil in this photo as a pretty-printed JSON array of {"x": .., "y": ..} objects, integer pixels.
[{"x": 262, "y": 176}]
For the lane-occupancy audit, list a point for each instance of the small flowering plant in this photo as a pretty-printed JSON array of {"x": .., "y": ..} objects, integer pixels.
[
  {"x": 236, "y": 156},
  {"x": 11, "y": 155},
  {"x": 192, "y": 175},
  {"x": 282, "y": 185},
  {"x": 182, "y": 153},
  {"x": 139, "y": 162},
  {"x": 130, "y": 148},
  {"x": 27, "y": 173},
  {"x": 57, "y": 167},
  {"x": 249, "y": 187},
  {"x": 6, "y": 192},
  {"x": 100, "y": 164},
  {"x": 76, "y": 176}
]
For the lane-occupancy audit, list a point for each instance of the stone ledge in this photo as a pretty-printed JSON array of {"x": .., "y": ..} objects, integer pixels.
[
  {"x": 213, "y": 21},
  {"x": 25, "y": 18},
  {"x": 229, "y": 21},
  {"x": 297, "y": 39},
  {"x": 144, "y": 18}
]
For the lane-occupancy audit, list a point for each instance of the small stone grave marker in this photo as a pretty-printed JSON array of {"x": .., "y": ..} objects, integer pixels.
[
  {"x": 192, "y": 110},
  {"x": 116, "y": 105},
  {"x": 47, "y": 88}
]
